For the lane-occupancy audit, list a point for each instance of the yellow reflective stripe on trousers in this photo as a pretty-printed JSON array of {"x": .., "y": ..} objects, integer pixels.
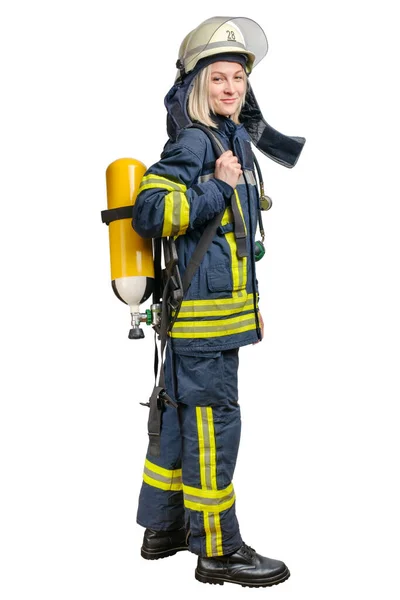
[
  {"x": 199, "y": 500},
  {"x": 176, "y": 214},
  {"x": 200, "y": 436},
  {"x": 216, "y": 328},
  {"x": 157, "y": 181},
  {"x": 208, "y": 499},
  {"x": 207, "y": 452},
  {"x": 205, "y": 493},
  {"x": 163, "y": 479},
  {"x": 213, "y": 451},
  {"x": 213, "y": 531}
]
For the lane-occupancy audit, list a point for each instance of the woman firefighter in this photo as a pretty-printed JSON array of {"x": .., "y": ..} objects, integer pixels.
[{"x": 187, "y": 498}]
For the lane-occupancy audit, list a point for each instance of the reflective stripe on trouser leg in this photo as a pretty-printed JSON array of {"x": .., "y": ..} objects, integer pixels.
[
  {"x": 208, "y": 477},
  {"x": 161, "y": 498},
  {"x": 210, "y": 427}
]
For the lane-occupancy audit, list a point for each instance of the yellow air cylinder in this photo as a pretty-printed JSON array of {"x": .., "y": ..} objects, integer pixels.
[{"x": 132, "y": 268}]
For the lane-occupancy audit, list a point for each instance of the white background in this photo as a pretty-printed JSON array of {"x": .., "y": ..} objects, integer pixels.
[{"x": 82, "y": 85}]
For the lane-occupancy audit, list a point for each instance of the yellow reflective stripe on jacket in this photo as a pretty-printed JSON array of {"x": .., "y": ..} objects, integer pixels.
[
  {"x": 176, "y": 207},
  {"x": 222, "y": 310},
  {"x": 238, "y": 265},
  {"x": 219, "y": 307},
  {"x": 176, "y": 214},
  {"x": 227, "y": 217},
  {"x": 163, "y": 479},
  {"x": 157, "y": 181},
  {"x": 216, "y": 328},
  {"x": 241, "y": 211}
]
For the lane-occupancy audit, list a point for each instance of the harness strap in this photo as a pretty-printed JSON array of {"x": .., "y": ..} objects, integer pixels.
[
  {"x": 154, "y": 422},
  {"x": 158, "y": 279},
  {"x": 159, "y": 396},
  {"x": 239, "y": 230}
]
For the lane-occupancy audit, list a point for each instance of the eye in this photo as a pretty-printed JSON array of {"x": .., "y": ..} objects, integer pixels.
[
  {"x": 217, "y": 79},
  {"x": 240, "y": 77}
]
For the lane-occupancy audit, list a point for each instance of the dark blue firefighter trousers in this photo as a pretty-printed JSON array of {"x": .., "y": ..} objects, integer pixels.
[{"x": 190, "y": 483}]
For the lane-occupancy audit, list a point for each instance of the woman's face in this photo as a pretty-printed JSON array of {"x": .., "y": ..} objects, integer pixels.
[{"x": 227, "y": 87}]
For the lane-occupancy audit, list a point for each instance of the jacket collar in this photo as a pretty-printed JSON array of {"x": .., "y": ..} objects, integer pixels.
[{"x": 225, "y": 125}]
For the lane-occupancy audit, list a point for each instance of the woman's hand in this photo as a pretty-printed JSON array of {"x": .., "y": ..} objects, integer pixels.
[
  {"x": 261, "y": 323},
  {"x": 228, "y": 169}
]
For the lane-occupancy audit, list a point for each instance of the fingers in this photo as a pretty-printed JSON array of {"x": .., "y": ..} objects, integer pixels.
[
  {"x": 227, "y": 156},
  {"x": 228, "y": 159},
  {"x": 228, "y": 168}
]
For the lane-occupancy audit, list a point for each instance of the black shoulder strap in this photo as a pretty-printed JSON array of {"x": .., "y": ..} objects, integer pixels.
[
  {"x": 216, "y": 144},
  {"x": 200, "y": 251}
]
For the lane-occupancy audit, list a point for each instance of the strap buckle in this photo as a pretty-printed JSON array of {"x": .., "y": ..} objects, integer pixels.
[{"x": 172, "y": 274}]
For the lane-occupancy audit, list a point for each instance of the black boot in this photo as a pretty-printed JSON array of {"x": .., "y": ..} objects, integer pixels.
[
  {"x": 159, "y": 544},
  {"x": 244, "y": 567}
]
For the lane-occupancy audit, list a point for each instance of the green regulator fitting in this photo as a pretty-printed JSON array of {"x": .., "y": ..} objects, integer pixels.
[{"x": 259, "y": 251}]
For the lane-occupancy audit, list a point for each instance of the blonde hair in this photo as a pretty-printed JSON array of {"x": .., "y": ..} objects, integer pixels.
[{"x": 199, "y": 105}]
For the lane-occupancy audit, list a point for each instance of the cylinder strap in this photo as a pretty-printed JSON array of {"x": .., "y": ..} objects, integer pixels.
[{"x": 114, "y": 214}]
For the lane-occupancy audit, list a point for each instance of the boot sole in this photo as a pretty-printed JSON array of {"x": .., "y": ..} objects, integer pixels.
[
  {"x": 220, "y": 580},
  {"x": 156, "y": 554}
]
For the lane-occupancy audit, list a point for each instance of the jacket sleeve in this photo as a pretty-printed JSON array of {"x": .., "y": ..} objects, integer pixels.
[{"x": 170, "y": 202}]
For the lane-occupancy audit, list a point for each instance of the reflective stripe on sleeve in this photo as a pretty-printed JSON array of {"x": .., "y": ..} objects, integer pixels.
[
  {"x": 157, "y": 181},
  {"x": 176, "y": 214},
  {"x": 176, "y": 204}
]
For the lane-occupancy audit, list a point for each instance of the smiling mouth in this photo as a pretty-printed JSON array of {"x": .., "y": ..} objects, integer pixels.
[{"x": 229, "y": 100}]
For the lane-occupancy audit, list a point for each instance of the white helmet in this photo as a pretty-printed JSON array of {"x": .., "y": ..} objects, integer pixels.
[
  {"x": 220, "y": 35},
  {"x": 229, "y": 35}
]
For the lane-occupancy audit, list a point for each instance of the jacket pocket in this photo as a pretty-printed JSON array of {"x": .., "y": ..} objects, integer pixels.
[{"x": 219, "y": 278}]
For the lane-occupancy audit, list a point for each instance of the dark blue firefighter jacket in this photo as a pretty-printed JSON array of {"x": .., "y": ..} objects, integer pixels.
[{"x": 177, "y": 197}]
